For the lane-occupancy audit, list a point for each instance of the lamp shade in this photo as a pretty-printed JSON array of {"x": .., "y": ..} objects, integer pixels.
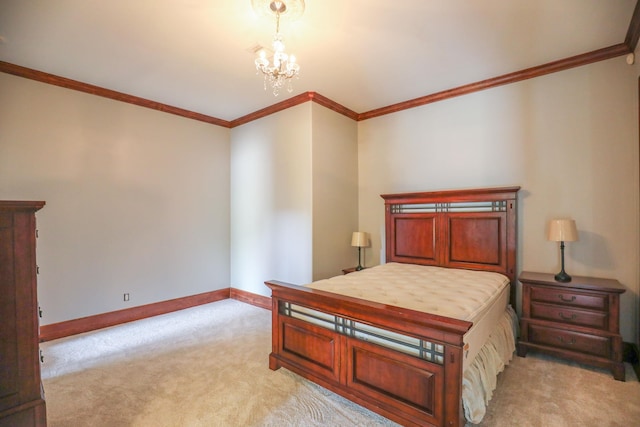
[
  {"x": 359, "y": 239},
  {"x": 562, "y": 230}
]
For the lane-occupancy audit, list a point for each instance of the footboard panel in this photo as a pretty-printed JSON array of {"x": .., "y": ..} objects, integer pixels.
[
  {"x": 396, "y": 380},
  {"x": 360, "y": 350},
  {"x": 311, "y": 347}
]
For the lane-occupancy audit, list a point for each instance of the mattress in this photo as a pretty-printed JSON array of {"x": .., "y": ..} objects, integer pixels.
[
  {"x": 476, "y": 296},
  {"x": 460, "y": 294}
]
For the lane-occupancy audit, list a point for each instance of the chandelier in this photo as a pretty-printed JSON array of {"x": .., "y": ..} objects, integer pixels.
[{"x": 280, "y": 68}]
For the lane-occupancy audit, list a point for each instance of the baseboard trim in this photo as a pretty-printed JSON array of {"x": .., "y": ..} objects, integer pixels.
[
  {"x": 251, "y": 298},
  {"x": 99, "y": 321}
]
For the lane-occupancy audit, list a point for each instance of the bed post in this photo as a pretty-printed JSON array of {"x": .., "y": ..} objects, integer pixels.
[
  {"x": 454, "y": 416},
  {"x": 512, "y": 242},
  {"x": 274, "y": 364}
]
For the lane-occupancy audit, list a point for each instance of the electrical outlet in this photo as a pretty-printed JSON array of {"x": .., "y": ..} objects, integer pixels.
[{"x": 126, "y": 297}]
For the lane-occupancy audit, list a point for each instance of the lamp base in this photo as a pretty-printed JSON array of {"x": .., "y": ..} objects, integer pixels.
[{"x": 562, "y": 277}]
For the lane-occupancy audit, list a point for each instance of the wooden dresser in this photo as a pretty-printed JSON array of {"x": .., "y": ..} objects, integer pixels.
[
  {"x": 21, "y": 396},
  {"x": 578, "y": 320}
]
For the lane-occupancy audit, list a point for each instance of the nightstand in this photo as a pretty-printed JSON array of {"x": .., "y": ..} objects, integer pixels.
[
  {"x": 578, "y": 320},
  {"x": 350, "y": 270}
]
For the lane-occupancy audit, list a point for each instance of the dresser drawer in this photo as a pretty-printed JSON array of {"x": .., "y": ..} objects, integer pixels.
[
  {"x": 575, "y": 341},
  {"x": 567, "y": 315},
  {"x": 570, "y": 297}
]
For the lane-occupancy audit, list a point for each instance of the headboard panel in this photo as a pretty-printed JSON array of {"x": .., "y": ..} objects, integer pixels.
[
  {"x": 421, "y": 247},
  {"x": 476, "y": 239},
  {"x": 472, "y": 229}
]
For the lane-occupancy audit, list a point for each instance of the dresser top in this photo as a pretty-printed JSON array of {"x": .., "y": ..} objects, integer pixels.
[
  {"x": 20, "y": 205},
  {"x": 577, "y": 282}
]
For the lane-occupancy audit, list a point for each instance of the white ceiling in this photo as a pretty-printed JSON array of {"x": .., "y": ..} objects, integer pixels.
[{"x": 363, "y": 54}]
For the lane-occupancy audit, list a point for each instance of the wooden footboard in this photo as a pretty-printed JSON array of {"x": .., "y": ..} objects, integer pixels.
[{"x": 403, "y": 364}]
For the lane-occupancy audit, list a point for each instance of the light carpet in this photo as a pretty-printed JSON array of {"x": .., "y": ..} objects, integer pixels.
[{"x": 208, "y": 366}]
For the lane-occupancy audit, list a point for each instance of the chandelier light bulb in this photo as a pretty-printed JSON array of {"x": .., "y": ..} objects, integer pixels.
[{"x": 278, "y": 46}]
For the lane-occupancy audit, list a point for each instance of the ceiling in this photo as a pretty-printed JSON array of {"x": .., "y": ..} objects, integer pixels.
[{"x": 362, "y": 54}]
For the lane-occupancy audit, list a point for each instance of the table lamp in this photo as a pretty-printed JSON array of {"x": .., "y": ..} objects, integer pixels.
[
  {"x": 359, "y": 239},
  {"x": 562, "y": 230}
]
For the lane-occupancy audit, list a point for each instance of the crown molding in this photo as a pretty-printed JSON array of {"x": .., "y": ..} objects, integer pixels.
[
  {"x": 52, "y": 79},
  {"x": 529, "y": 73},
  {"x": 292, "y": 102},
  {"x": 282, "y": 105}
]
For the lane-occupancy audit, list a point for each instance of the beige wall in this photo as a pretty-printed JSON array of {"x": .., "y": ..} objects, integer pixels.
[
  {"x": 137, "y": 200},
  {"x": 293, "y": 197},
  {"x": 569, "y": 139},
  {"x": 335, "y": 192},
  {"x": 271, "y": 206}
]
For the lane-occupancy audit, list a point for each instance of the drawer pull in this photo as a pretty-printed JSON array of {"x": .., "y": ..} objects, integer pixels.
[
  {"x": 562, "y": 298},
  {"x": 563, "y": 317},
  {"x": 570, "y": 342}
]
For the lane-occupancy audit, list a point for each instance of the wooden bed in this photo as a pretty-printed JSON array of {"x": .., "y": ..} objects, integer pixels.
[{"x": 467, "y": 229}]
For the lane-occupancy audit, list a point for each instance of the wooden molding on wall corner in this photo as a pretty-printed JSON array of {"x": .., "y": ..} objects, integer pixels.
[
  {"x": 282, "y": 105},
  {"x": 251, "y": 298},
  {"x": 64, "y": 82},
  {"x": 633, "y": 33},
  {"x": 91, "y": 323},
  {"x": 52, "y": 79},
  {"x": 292, "y": 102},
  {"x": 99, "y": 321},
  {"x": 529, "y": 73},
  {"x": 551, "y": 67},
  {"x": 332, "y": 105}
]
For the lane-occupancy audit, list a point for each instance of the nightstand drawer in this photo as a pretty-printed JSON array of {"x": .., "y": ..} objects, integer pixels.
[
  {"x": 574, "y": 341},
  {"x": 569, "y": 297},
  {"x": 559, "y": 313}
]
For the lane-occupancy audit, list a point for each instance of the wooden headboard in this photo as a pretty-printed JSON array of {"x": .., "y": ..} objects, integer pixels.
[{"x": 472, "y": 229}]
